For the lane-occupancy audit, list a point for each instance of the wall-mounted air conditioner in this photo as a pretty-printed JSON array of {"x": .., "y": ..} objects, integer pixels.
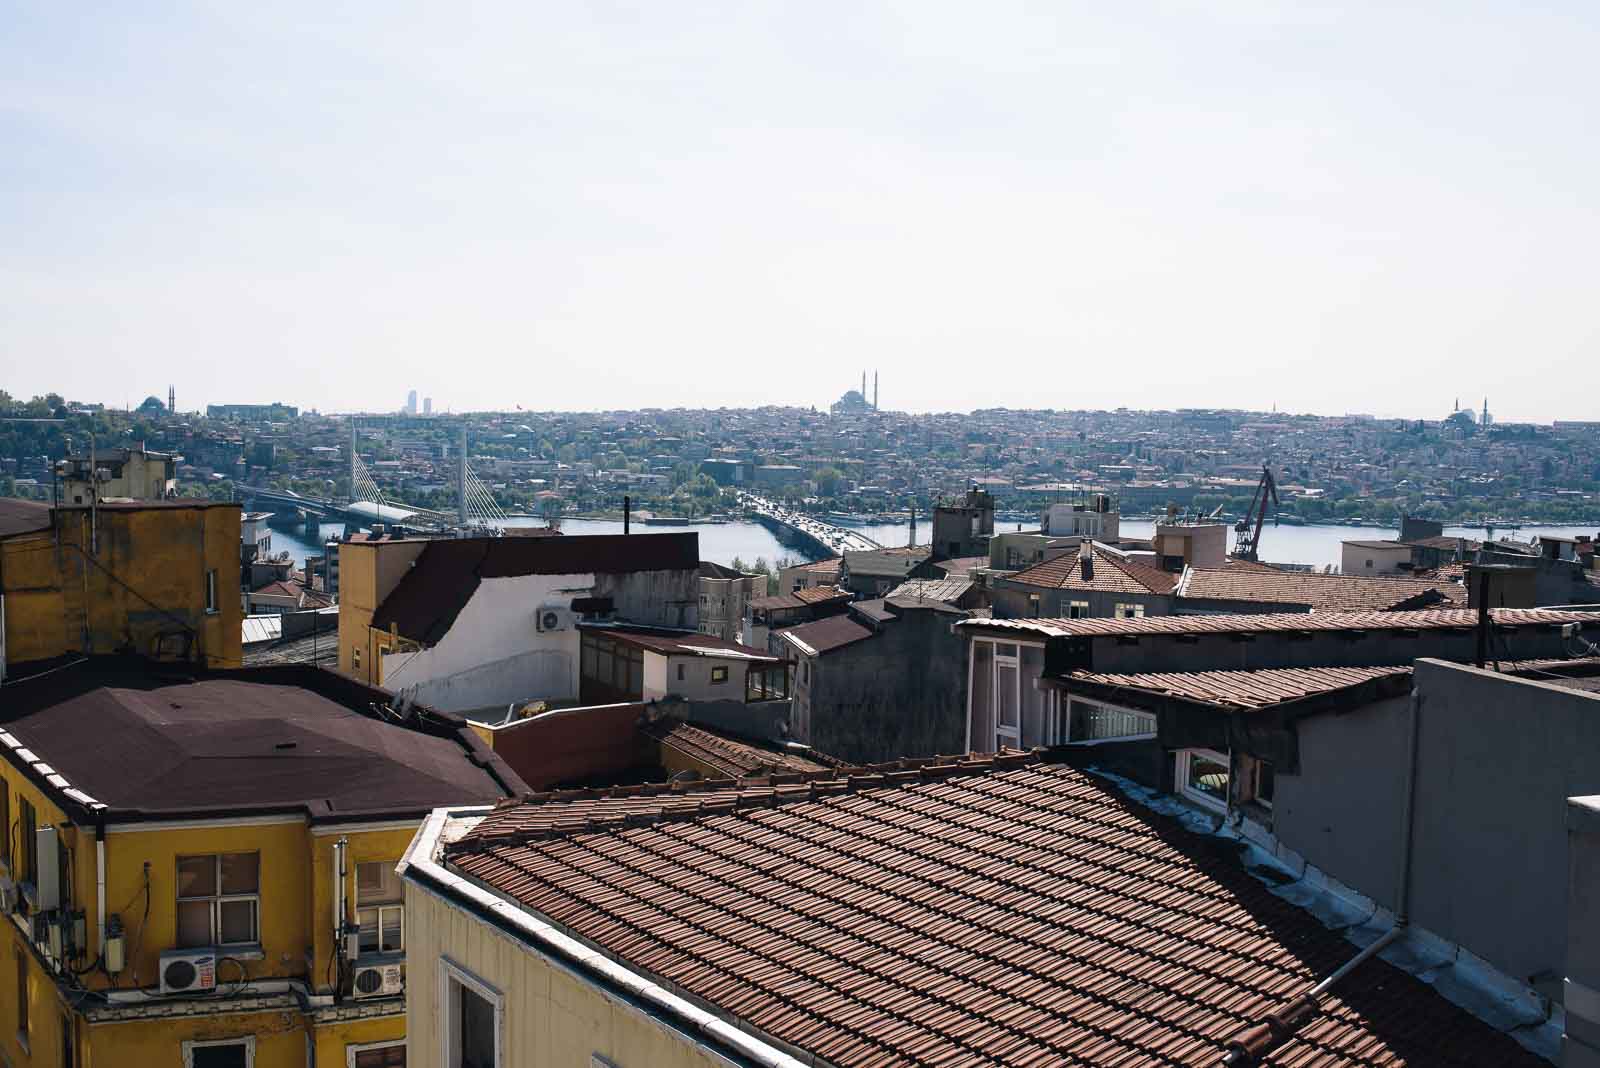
[
  {"x": 185, "y": 971},
  {"x": 553, "y": 616},
  {"x": 378, "y": 981}
]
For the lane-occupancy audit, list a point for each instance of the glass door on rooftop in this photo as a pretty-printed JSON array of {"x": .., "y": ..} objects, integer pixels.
[{"x": 1007, "y": 697}]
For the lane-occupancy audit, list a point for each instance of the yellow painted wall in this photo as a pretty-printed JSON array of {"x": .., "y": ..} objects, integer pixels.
[
  {"x": 58, "y": 602},
  {"x": 551, "y": 1015},
  {"x": 296, "y": 912},
  {"x": 368, "y": 572}
]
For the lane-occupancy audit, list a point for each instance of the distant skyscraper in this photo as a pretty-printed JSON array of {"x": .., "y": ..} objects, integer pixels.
[
  {"x": 411, "y": 403},
  {"x": 427, "y": 405}
]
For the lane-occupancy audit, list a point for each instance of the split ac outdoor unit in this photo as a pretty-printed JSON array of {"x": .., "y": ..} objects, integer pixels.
[
  {"x": 378, "y": 981},
  {"x": 185, "y": 971},
  {"x": 552, "y": 617}
]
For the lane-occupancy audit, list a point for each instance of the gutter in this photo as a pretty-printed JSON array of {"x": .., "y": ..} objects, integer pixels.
[
  {"x": 1253, "y": 1045},
  {"x": 419, "y": 867}
]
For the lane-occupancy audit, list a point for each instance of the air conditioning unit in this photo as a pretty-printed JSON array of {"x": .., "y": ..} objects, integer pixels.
[
  {"x": 378, "y": 981},
  {"x": 186, "y": 971},
  {"x": 552, "y": 617}
]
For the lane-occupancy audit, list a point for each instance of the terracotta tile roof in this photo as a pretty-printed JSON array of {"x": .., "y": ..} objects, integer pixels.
[
  {"x": 1243, "y": 689},
  {"x": 990, "y": 912},
  {"x": 1310, "y": 588},
  {"x": 1107, "y": 573},
  {"x": 947, "y": 590},
  {"x": 736, "y": 758},
  {"x": 799, "y": 598},
  {"x": 825, "y": 635},
  {"x": 1429, "y": 619}
]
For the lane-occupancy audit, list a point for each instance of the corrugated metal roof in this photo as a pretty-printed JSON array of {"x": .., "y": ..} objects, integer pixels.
[
  {"x": 982, "y": 912},
  {"x": 824, "y": 635},
  {"x": 1429, "y": 619},
  {"x": 1243, "y": 689}
]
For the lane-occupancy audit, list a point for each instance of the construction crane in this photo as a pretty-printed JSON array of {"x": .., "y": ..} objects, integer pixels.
[{"x": 1247, "y": 531}]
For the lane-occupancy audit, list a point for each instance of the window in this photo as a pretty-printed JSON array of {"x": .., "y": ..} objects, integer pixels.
[
  {"x": 680, "y": 672},
  {"x": 211, "y": 591},
  {"x": 1256, "y": 782},
  {"x": 719, "y": 675},
  {"x": 1007, "y": 697},
  {"x": 376, "y": 1055},
  {"x": 221, "y": 1053},
  {"x": 1033, "y": 605},
  {"x": 1077, "y": 609},
  {"x": 22, "y": 996},
  {"x": 218, "y": 902},
  {"x": 380, "y": 908},
  {"x": 1202, "y": 776},
  {"x": 1088, "y": 721},
  {"x": 474, "y": 1018},
  {"x": 355, "y": 657},
  {"x": 1128, "y": 611}
]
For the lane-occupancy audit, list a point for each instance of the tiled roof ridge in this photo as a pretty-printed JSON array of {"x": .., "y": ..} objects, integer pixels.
[{"x": 724, "y": 796}]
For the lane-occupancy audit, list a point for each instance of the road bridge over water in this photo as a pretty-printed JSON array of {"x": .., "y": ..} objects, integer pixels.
[{"x": 823, "y": 538}]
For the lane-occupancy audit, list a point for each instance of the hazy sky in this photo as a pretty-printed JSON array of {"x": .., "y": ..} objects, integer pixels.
[{"x": 1330, "y": 207}]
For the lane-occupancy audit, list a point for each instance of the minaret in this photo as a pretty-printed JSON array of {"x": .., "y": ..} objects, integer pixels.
[
  {"x": 1485, "y": 420},
  {"x": 913, "y": 542},
  {"x": 875, "y": 394},
  {"x": 172, "y": 400},
  {"x": 863, "y": 385}
]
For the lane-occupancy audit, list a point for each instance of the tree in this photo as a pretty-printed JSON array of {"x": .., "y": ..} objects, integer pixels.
[{"x": 828, "y": 481}]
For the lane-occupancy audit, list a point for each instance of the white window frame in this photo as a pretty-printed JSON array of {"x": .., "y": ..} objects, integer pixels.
[
  {"x": 380, "y": 909},
  {"x": 1014, "y": 662},
  {"x": 350, "y": 1051},
  {"x": 247, "y": 1041},
  {"x": 1181, "y": 777},
  {"x": 212, "y": 605},
  {"x": 451, "y": 972},
  {"x": 1077, "y": 609},
  {"x": 219, "y": 899},
  {"x": 1065, "y": 717},
  {"x": 1128, "y": 610}
]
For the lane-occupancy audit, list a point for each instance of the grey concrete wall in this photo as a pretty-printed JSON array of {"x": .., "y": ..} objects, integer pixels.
[
  {"x": 900, "y": 693},
  {"x": 1497, "y": 759},
  {"x": 655, "y": 598},
  {"x": 1342, "y": 812}
]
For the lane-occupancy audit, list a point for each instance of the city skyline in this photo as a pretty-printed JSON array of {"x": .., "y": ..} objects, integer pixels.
[{"x": 1333, "y": 208}]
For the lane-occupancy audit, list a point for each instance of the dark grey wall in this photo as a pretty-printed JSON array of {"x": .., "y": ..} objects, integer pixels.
[
  {"x": 1497, "y": 759},
  {"x": 1581, "y": 1043},
  {"x": 900, "y": 693},
  {"x": 1343, "y": 811}
]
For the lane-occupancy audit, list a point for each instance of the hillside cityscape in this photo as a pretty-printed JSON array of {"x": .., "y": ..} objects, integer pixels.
[{"x": 1462, "y": 469}]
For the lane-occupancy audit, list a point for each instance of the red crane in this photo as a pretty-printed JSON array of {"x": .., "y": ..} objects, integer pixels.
[{"x": 1247, "y": 537}]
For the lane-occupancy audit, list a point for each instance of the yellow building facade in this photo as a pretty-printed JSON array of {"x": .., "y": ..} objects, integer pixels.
[
  {"x": 158, "y": 579},
  {"x": 368, "y": 572},
  {"x": 149, "y": 928}
]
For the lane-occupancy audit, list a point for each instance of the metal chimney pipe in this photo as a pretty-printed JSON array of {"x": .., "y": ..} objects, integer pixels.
[{"x": 627, "y": 508}]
